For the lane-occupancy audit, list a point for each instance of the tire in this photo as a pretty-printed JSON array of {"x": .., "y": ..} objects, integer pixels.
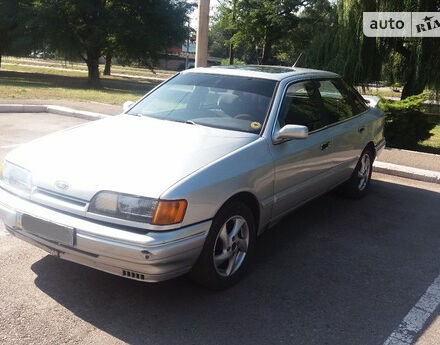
[
  {"x": 358, "y": 184},
  {"x": 233, "y": 252}
]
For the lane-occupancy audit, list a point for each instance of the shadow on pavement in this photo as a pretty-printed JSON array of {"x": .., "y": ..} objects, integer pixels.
[
  {"x": 334, "y": 272},
  {"x": 40, "y": 80}
]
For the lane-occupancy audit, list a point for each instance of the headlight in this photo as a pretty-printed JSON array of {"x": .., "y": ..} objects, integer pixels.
[
  {"x": 16, "y": 176},
  {"x": 138, "y": 209}
]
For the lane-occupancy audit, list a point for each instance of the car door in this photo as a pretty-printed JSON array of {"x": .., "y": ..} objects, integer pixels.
[
  {"x": 303, "y": 167},
  {"x": 347, "y": 111}
]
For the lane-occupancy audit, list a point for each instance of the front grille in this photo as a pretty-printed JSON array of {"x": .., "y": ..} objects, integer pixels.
[{"x": 133, "y": 275}]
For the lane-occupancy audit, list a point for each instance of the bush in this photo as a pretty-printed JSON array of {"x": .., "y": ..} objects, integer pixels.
[
  {"x": 225, "y": 62},
  {"x": 405, "y": 123}
]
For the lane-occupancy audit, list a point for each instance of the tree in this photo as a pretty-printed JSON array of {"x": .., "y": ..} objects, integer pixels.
[
  {"x": 144, "y": 29},
  {"x": 129, "y": 29},
  {"x": 263, "y": 23},
  {"x": 261, "y": 29},
  {"x": 343, "y": 48},
  {"x": 313, "y": 20},
  {"x": 12, "y": 23},
  {"x": 76, "y": 28}
]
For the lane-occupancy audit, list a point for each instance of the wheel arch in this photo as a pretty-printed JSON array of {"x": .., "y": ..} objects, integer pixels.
[
  {"x": 250, "y": 200},
  {"x": 372, "y": 147}
]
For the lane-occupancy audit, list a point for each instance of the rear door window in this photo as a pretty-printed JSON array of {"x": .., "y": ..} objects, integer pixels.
[{"x": 340, "y": 101}]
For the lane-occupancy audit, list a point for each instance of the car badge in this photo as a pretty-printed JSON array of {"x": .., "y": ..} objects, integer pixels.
[{"x": 62, "y": 185}]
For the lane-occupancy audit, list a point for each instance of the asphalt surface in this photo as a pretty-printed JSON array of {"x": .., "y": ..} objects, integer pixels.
[
  {"x": 20, "y": 128},
  {"x": 336, "y": 271}
]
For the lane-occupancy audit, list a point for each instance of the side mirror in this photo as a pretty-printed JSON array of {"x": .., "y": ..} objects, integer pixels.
[
  {"x": 291, "y": 132},
  {"x": 127, "y": 105}
]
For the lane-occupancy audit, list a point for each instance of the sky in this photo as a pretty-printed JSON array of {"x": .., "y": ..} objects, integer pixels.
[{"x": 213, "y": 4}]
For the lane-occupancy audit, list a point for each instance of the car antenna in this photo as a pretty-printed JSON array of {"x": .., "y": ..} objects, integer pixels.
[{"x": 299, "y": 57}]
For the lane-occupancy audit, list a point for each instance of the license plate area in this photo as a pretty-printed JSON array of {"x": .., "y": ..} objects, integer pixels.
[{"x": 47, "y": 230}]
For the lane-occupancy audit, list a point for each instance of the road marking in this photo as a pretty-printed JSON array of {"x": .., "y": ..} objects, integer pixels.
[{"x": 416, "y": 318}]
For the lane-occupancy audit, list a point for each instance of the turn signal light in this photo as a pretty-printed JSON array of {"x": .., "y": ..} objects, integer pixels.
[{"x": 169, "y": 212}]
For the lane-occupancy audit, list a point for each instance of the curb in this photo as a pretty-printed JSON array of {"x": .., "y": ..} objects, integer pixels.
[
  {"x": 53, "y": 109},
  {"x": 407, "y": 172}
]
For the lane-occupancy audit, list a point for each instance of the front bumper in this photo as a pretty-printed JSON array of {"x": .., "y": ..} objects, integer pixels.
[{"x": 151, "y": 256}]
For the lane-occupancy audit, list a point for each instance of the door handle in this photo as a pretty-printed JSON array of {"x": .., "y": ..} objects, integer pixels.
[
  {"x": 325, "y": 145},
  {"x": 361, "y": 129}
]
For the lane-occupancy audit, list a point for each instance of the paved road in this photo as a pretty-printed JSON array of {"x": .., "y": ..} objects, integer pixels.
[
  {"x": 17, "y": 129},
  {"x": 334, "y": 272}
]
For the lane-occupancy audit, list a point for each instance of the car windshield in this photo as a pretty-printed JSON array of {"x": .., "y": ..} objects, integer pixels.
[{"x": 227, "y": 102}]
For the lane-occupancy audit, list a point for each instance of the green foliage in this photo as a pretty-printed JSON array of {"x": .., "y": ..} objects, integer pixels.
[
  {"x": 132, "y": 30},
  {"x": 144, "y": 29},
  {"x": 266, "y": 31},
  {"x": 223, "y": 27},
  {"x": 225, "y": 62},
  {"x": 405, "y": 124},
  {"x": 14, "y": 20},
  {"x": 344, "y": 49}
]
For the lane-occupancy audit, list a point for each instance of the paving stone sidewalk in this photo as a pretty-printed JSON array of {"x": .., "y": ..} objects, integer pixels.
[{"x": 412, "y": 159}]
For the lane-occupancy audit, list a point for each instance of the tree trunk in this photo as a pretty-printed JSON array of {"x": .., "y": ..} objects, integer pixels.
[
  {"x": 418, "y": 66},
  {"x": 231, "y": 54},
  {"x": 93, "y": 69},
  {"x": 267, "y": 51},
  {"x": 231, "y": 46},
  {"x": 413, "y": 86},
  {"x": 108, "y": 64}
]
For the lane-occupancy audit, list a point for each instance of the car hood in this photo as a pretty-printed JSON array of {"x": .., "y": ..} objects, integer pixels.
[{"x": 124, "y": 153}]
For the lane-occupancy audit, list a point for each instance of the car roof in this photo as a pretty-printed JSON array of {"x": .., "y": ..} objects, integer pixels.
[{"x": 262, "y": 71}]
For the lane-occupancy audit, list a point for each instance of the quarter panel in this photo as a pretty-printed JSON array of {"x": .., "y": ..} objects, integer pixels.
[{"x": 349, "y": 141}]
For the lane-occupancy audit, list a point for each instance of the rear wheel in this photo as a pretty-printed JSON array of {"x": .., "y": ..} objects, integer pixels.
[
  {"x": 359, "y": 182},
  {"x": 228, "y": 248}
]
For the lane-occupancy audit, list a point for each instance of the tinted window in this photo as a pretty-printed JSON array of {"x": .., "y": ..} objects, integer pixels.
[
  {"x": 302, "y": 105},
  {"x": 341, "y": 101},
  {"x": 336, "y": 103},
  {"x": 228, "y": 102},
  {"x": 355, "y": 99}
]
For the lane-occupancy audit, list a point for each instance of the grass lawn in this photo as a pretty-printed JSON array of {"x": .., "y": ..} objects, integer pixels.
[
  {"x": 432, "y": 145},
  {"x": 25, "y": 82},
  {"x": 383, "y": 91},
  {"x": 61, "y": 64}
]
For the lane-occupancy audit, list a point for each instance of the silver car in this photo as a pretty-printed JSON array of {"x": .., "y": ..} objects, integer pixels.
[{"x": 188, "y": 177}]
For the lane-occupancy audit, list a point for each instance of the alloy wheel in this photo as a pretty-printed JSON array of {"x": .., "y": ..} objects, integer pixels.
[
  {"x": 364, "y": 171},
  {"x": 231, "y": 246}
]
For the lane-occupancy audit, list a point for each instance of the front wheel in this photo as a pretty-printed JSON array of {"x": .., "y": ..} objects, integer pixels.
[
  {"x": 357, "y": 186},
  {"x": 228, "y": 248}
]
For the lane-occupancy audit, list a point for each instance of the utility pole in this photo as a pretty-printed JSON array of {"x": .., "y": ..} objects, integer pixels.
[{"x": 202, "y": 34}]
